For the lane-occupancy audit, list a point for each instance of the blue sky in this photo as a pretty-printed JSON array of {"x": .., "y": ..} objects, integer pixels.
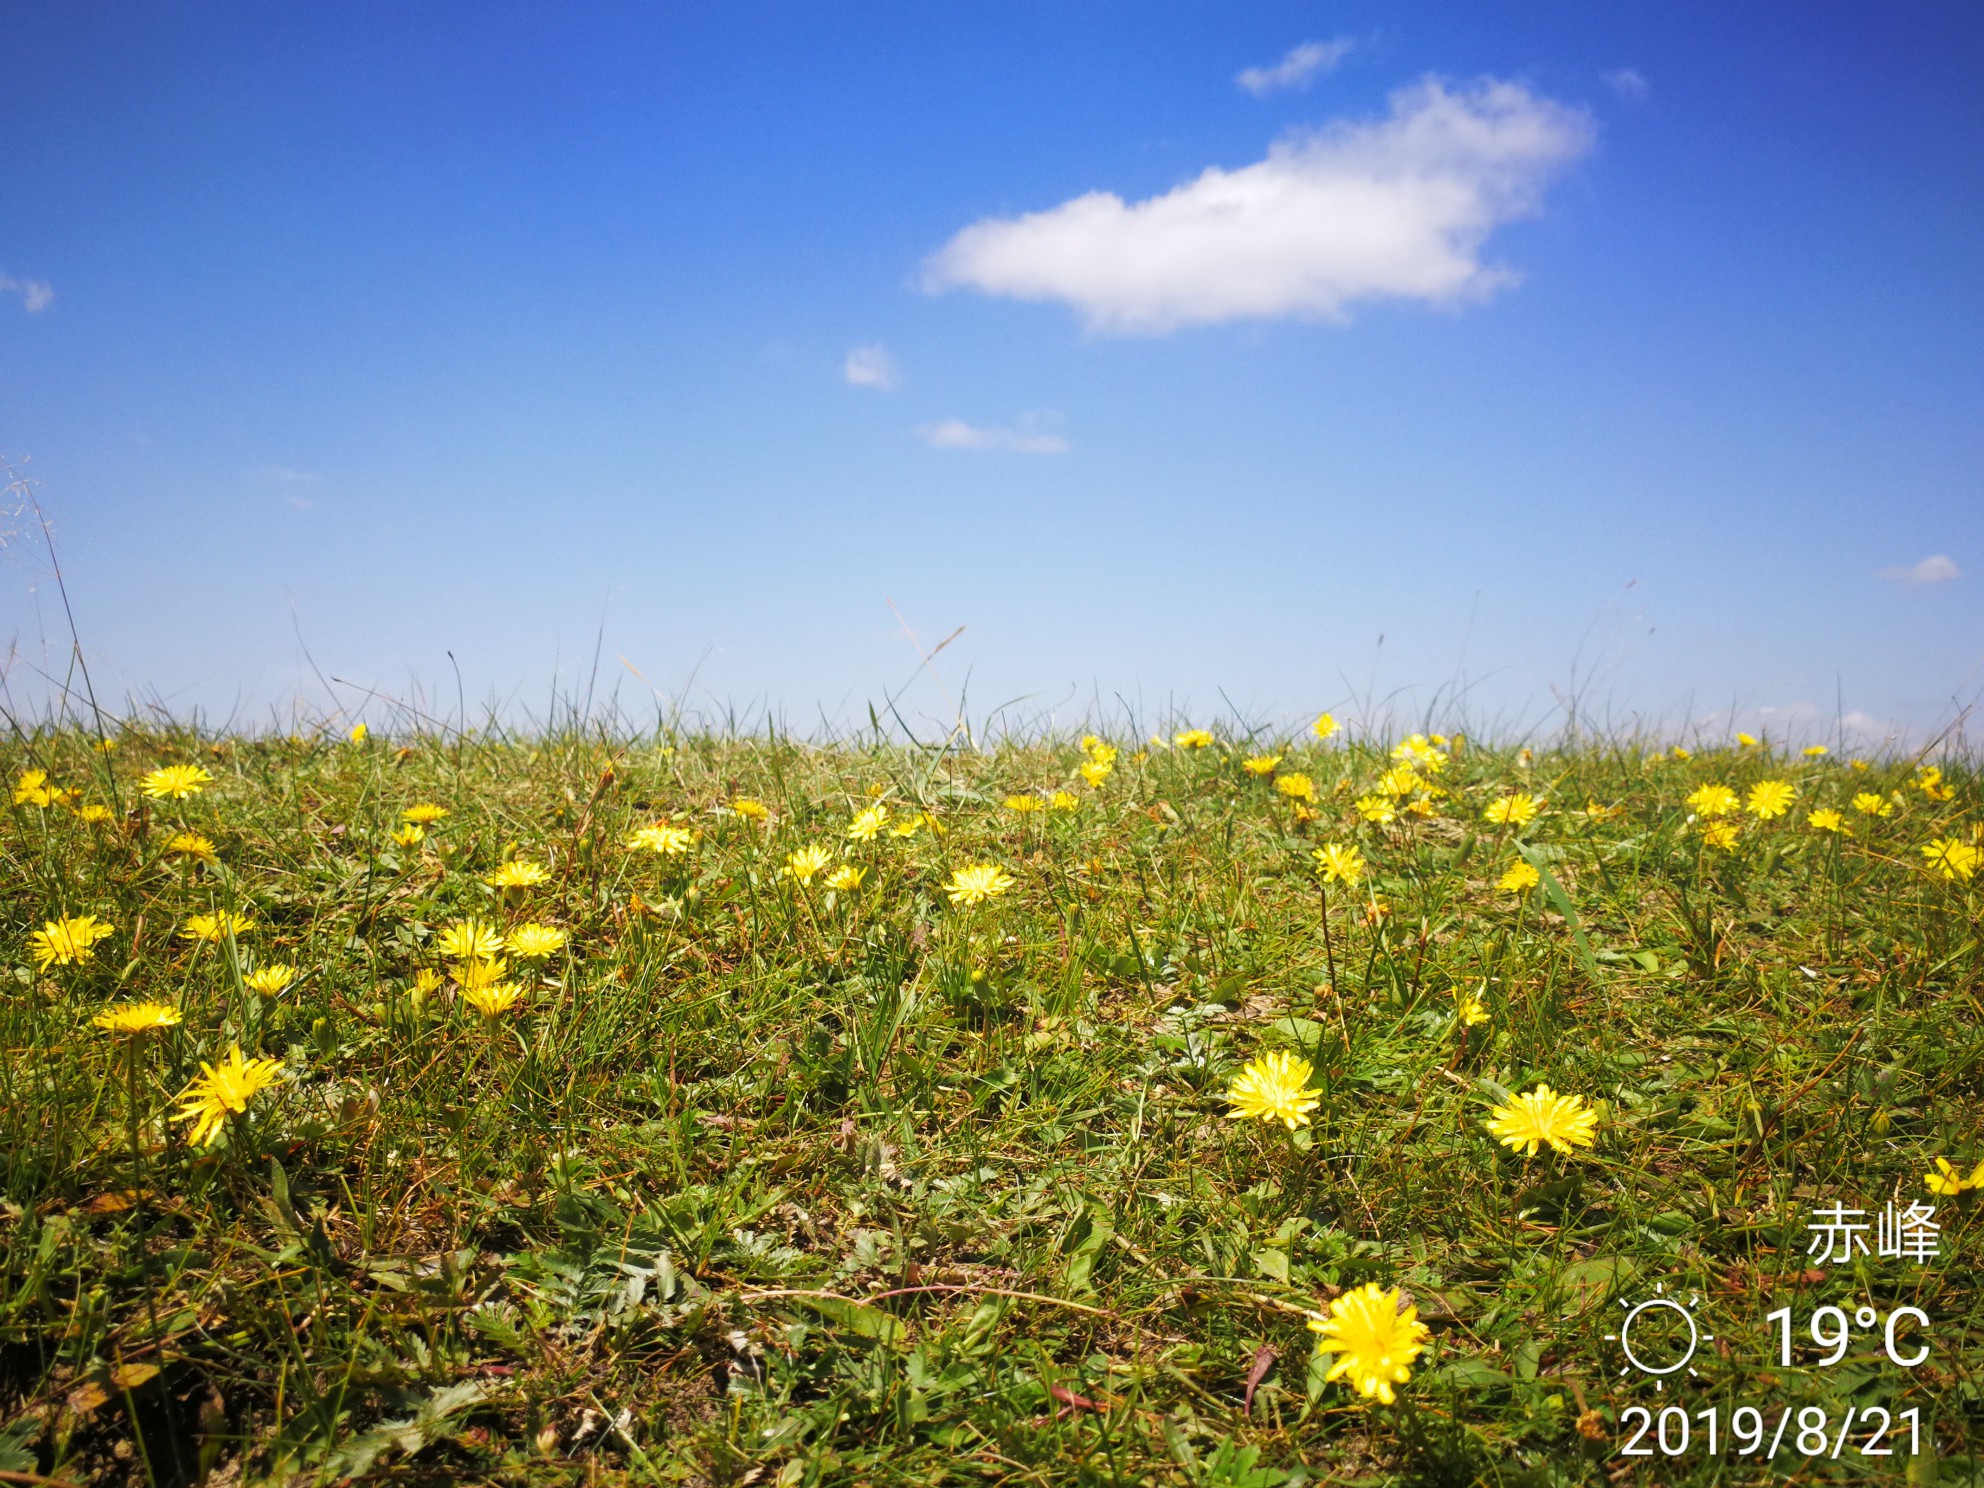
[{"x": 1633, "y": 348}]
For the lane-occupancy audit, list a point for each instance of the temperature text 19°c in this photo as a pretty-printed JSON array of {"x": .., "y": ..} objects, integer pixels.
[
  {"x": 1808, "y": 1431},
  {"x": 1832, "y": 1330}
]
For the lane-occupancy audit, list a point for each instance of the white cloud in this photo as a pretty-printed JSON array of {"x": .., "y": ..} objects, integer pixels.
[
  {"x": 1363, "y": 209},
  {"x": 1294, "y": 70},
  {"x": 871, "y": 367},
  {"x": 1939, "y": 569},
  {"x": 36, "y": 294},
  {"x": 1628, "y": 84},
  {"x": 1029, "y": 434},
  {"x": 1866, "y": 727}
]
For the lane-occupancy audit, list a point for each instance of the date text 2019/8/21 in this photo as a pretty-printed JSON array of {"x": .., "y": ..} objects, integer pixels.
[{"x": 1809, "y": 1431}]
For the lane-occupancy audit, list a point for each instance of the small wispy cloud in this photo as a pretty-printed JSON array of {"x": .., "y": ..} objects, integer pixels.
[
  {"x": 1937, "y": 569},
  {"x": 1030, "y": 434},
  {"x": 1866, "y": 727},
  {"x": 1629, "y": 84},
  {"x": 871, "y": 367},
  {"x": 36, "y": 294},
  {"x": 287, "y": 475},
  {"x": 1298, "y": 68}
]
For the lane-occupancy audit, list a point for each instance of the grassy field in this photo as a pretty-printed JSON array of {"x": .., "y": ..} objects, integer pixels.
[{"x": 931, "y": 1176}]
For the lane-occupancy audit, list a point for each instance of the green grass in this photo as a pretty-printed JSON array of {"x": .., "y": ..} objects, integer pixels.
[{"x": 764, "y": 1183}]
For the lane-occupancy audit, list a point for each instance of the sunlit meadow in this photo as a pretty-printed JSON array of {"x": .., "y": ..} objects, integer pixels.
[{"x": 1187, "y": 1108}]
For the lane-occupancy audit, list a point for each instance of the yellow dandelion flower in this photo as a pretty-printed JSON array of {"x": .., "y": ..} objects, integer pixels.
[
  {"x": 1192, "y": 739},
  {"x": 1710, "y": 800},
  {"x": 1094, "y": 771},
  {"x": 1518, "y": 807},
  {"x": 65, "y": 941},
  {"x": 218, "y": 926},
  {"x": 868, "y": 822},
  {"x": 533, "y": 942},
  {"x": 1947, "y": 1181},
  {"x": 1418, "y": 750},
  {"x": 1826, "y": 820},
  {"x": 1867, "y": 803},
  {"x": 358, "y": 733},
  {"x": 846, "y": 877},
  {"x": 977, "y": 882},
  {"x": 1952, "y": 857},
  {"x": 1722, "y": 834},
  {"x": 1746, "y": 741},
  {"x": 1374, "y": 1337},
  {"x": 33, "y": 789},
  {"x": 1543, "y": 1116},
  {"x": 1339, "y": 864},
  {"x": 191, "y": 845},
  {"x": 427, "y": 981},
  {"x": 1423, "y": 806},
  {"x": 806, "y": 862},
  {"x": 1025, "y": 803},
  {"x": 134, "y": 1018},
  {"x": 1324, "y": 726},
  {"x": 1273, "y": 1087},
  {"x": 271, "y": 979},
  {"x": 1376, "y": 809},
  {"x": 1399, "y": 782},
  {"x": 520, "y": 873},
  {"x": 469, "y": 940},
  {"x": 752, "y": 808},
  {"x": 423, "y": 813},
  {"x": 664, "y": 838},
  {"x": 492, "y": 999},
  {"x": 1596, "y": 812},
  {"x": 410, "y": 835},
  {"x": 174, "y": 782},
  {"x": 1261, "y": 764},
  {"x": 1470, "y": 1009},
  {"x": 1520, "y": 879},
  {"x": 96, "y": 813},
  {"x": 1929, "y": 780},
  {"x": 471, "y": 974},
  {"x": 1296, "y": 786},
  {"x": 223, "y": 1090},
  {"x": 1095, "y": 749},
  {"x": 1063, "y": 801},
  {"x": 1815, "y": 751},
  {"x": 1770, "y": 799},
  {"x": 1681, "y": 754}
]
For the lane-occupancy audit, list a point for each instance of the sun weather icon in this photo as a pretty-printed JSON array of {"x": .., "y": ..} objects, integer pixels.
[{"x": 1667, "y": 1338}]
